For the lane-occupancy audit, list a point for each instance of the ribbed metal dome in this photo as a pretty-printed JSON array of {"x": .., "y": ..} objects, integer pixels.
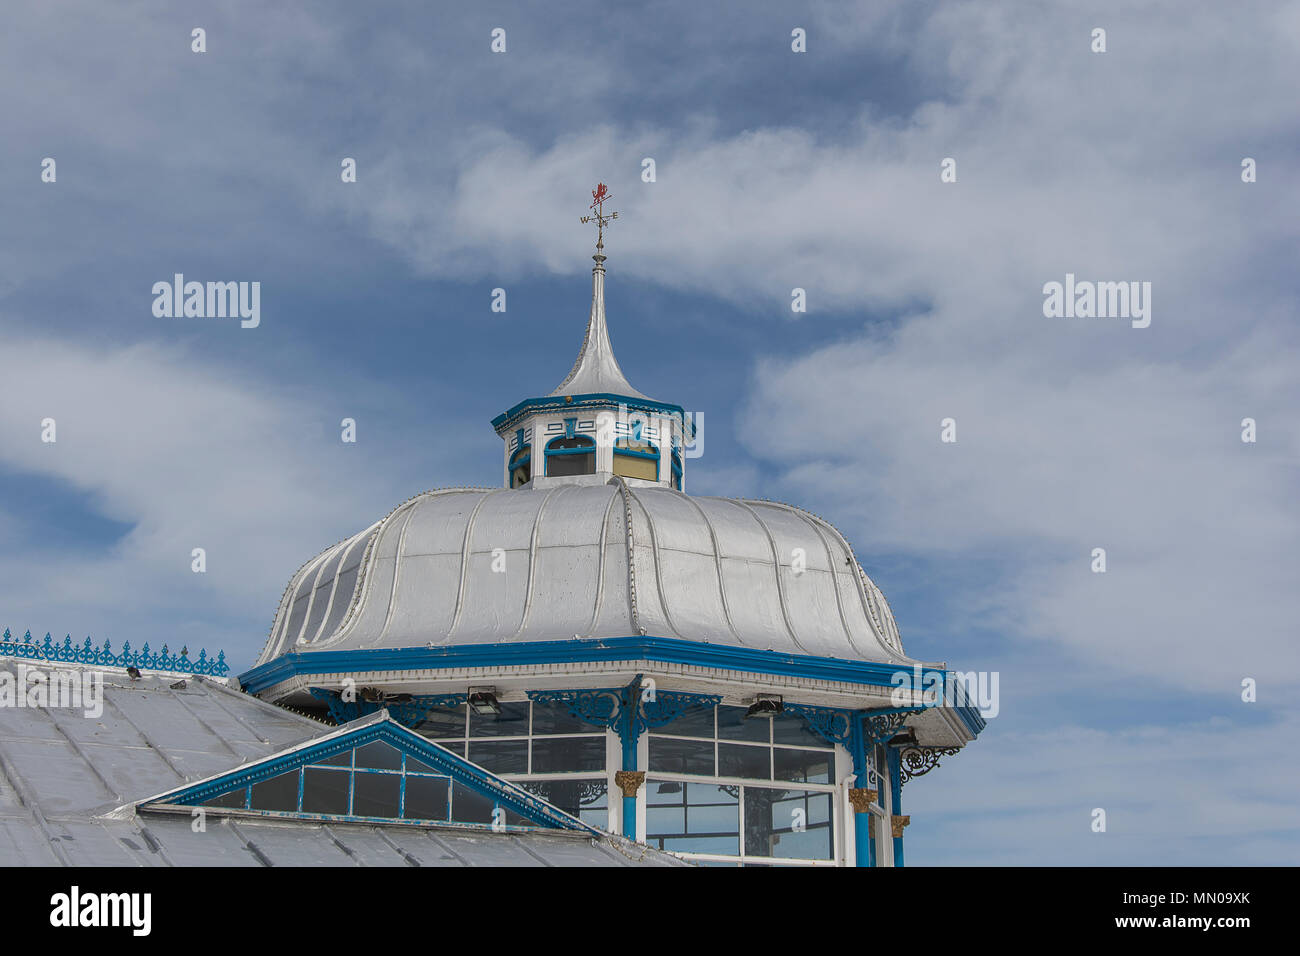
[{"x": 485, "y": 566}]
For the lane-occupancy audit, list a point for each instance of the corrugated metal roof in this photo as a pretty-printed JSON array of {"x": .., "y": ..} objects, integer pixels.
[{"x": 68, "y": 783}]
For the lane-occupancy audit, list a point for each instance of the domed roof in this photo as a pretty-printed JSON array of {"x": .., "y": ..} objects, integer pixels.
[{"x": 583, "y": 561}]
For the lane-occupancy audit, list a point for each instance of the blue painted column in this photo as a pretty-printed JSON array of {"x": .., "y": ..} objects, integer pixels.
[
  {"x": 629, "y": 779},
  {"x": 861, "y": 798},
  {"x": 863, "y": 843},
  {"x": 896, "y": 820}
]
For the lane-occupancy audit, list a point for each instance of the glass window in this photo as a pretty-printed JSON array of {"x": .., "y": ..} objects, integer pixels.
[
  {"x": 585, "y": 799},
  {"x": 427, "y": 798},
  {"x": 278, "y": 793},
  {"x": 788, "y": 824},
  {"x": 338, "y": 760},
  {"x": 568, "y": 754},
  {"x": 418, "y": 766},
  {"x": 442, "y": 722},
  {"x": 693, "y": 817},
  {"x": 553, "y": 718},
  {"x": 734, "y": 725},
  {"x": 376, "y": 794},
  {"x": 571, "y": 456},
  {"x": 234, "y": 800},
  {"x": 740, "y": 760},
  {"x": 325, "y": 791},
  {"x": 379, "y": 756},
  {"x": 511, "y": 722},
  {"x": 792, "y": 729},
  {"x": 500, "y": 756},
  {"x": 803, "y": 766},
  {"x": 681, "y": 756},
  {"x": 693, "y": 722},
  {"x": 470, "y": 806}
]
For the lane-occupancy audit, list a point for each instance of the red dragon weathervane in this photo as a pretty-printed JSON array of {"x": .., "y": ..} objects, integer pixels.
[{"x": 598, "y": 197}]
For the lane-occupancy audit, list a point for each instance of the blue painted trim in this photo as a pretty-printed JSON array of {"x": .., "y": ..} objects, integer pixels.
[
  {"x": 441, "y": 759},
  {"x": 587, "y": 449},
  {"x": 634, "y": 453},
  {"x": 896, "y": 797},
  {"x": 67, "y": 653},
  {"x": 509, "y": 419},
  {"x": 656, "y": 649}
]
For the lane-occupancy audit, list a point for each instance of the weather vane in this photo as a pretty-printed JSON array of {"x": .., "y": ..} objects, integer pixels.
[{"x": 598, "y": 197}]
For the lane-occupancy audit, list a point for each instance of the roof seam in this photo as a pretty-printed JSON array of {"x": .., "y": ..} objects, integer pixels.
[
  {"x": 532, "y": 558},
  {"x": 717, "y": 563},
  {"x": 654, "y": 557},
  {"x": 464, "y": 566},
  {"x": 776, "y": 573},
  {"x": 600, "y": 567}
]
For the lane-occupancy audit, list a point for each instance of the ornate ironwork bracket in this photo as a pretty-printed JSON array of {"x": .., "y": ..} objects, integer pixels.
[
  {"x": 918, "y": 761},
  {"x": 407, "y": 709},
  {"x": 831, "y": 725},
  {"x": 630, "y": 710},
  {"x": 880, "y": 728}
]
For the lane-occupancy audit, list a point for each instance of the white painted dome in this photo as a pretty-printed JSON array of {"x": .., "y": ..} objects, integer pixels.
[{"x": 583, "y": 561}]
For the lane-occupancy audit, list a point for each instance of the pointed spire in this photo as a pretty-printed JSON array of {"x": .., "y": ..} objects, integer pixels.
[{"x": 596, "y": 369}]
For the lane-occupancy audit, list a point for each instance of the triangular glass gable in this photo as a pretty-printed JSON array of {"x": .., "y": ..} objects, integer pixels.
[{"x": 377, "y": 772}]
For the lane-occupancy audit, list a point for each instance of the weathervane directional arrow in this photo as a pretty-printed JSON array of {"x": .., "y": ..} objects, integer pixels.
[{"x": 598, "y": 196}]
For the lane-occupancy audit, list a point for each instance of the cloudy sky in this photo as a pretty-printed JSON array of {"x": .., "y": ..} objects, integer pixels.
[{"x": 775, "y": 170}]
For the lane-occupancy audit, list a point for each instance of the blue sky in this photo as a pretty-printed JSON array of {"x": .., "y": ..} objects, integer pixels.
[{"x": 775, "y": 170}]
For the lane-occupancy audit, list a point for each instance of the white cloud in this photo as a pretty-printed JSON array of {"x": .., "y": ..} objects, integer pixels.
[
  {"x": 1200, "y": 793},
  {"x": 188, "y": 455}
]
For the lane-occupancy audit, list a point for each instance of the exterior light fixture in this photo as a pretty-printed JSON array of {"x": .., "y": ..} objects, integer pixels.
[
  {"x": 765, "y": 705},
  {"x": 483, "y": 701}
]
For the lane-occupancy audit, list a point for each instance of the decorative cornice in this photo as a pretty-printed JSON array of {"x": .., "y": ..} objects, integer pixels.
[
  {"x": 143, "y": 659},
  {"x": 508, "y": 420}
]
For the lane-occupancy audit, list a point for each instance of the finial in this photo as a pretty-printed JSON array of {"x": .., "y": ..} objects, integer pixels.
[{"x": 598, "y": 196}]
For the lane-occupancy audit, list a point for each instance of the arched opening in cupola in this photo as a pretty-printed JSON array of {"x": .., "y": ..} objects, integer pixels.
[
  {"x": 636, "y": 459},
  {"x": 571, "y": 456},
  {"x": 521, "y": 467}
]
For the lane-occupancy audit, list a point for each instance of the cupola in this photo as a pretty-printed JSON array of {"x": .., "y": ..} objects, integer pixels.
[{"x": 594, "y": 426}]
